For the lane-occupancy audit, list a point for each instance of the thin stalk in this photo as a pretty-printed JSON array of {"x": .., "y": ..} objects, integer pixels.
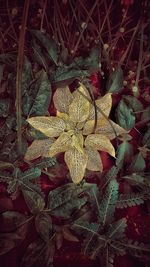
[{"x": 19, "y": 73}]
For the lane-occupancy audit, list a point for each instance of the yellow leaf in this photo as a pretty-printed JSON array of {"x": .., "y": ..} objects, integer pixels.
[
  {"x": 62, "y": 99},
  {"x": 100, "y": 142},
  {"x": 104, "y": 103},
  {"x": 109, "y": 130},
  {"x": 62, "y": 144},
  {"x": 50, "y": 126},
  {"x": 77, "y": 142},
  {"x": 38, "y": 148},
  {"x": 76, "y": 163},
  {"x": 70, "y": 125},
  {"x": 94, "y": 161},
  {"x": 88, "y": 127},
  {"x": 79, "y": 108}
]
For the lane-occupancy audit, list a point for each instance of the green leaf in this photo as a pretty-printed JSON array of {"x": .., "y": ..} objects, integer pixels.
[
  {"x": 47, "y": 43},
  {"x": 66, "y": 74},
  {"x": 146, "y": 138},
  {"x": 43, "y": 224},
  {"x": 30, "y": 174},
  {"x": 63, "y": 200},
  {"x": 43, "y": 95},
  {"x": 115, "y": 82},
  {"x": 4, "y": 107},
  {"x": 116, "y": 229},
  {"x": 45, "y": 163},
  {"x": 33, "y": 134},
  {"x": 108, "y": 203},
  {"x": 133, "y": 102},
  {"x": 39, "y": 55},
  {"x": 138, "y": 163},
  {"x": 146, "y": 114},
  {"x": 124, "y": 115},
  {"x": 90, "y": 63},
  {"x": 124, "y": 153},
  {"x": 34, "y": 200},
  {"x": 129, "y": 200}
]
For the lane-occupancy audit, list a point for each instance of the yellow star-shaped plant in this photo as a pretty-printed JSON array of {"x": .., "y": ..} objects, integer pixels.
[{"x": 72, "y": 131}]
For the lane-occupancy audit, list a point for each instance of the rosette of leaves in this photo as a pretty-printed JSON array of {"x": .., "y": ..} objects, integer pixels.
[
  {"x": 72, "y": 131},
  {"x": 24, "y": 181}
]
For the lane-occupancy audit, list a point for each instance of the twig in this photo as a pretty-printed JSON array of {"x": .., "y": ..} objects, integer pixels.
[{"x": 19, "y": 74}]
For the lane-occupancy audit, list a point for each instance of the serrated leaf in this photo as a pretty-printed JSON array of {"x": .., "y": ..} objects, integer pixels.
[
  {"x": 43, "y": 224},
  {"x": 48, "y": 43},
  {"x": 43, "y": 95},
  {"x": 30, "y": 174},
  {"x": 133, "y": 102},
  {"x": 108, "y": 203},
  {"x": 138, "y": 163},
  {"x": 116, "y": 230},
  {"x": 45, "y": 163},
  {"x": 125, "y": 116},
  {"x": 129, "y": 200},
  {"x": 115, "y": 82},
  {"x": 34, "y": 200},
  {"x": 124, "y": 153}
]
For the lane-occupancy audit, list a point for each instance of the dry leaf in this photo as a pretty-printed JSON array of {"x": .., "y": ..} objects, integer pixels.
[{"x": 62, "y": 144}]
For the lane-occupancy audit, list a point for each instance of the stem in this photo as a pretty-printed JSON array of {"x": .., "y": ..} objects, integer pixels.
[{"x": 19, "y": 74}]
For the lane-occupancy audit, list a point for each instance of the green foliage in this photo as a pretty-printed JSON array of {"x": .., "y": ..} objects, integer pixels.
[
  {"x": 129, "y": 200},
  {"x": 137, "y": 164},
  {"x": 65, "y": 200},
  {"x": 108, "y": 203},
  {"x": 36, "y": 102},
  {"x": 48, "y": 44},
  {"x": 43, "y": 225},
  {"x": 45, "y": 163},
  {"x": 115, "y": 82},
  {"x": 133, "y": 102},
  {"x": 117, "y": 229},
  {"x": 67, "y": 74},
  {"x": 33, "y": 199},
  {"x": 89, "y": 63},
  {"x": 125, "y": 116},
  {"x": 124, "y": 153}
]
